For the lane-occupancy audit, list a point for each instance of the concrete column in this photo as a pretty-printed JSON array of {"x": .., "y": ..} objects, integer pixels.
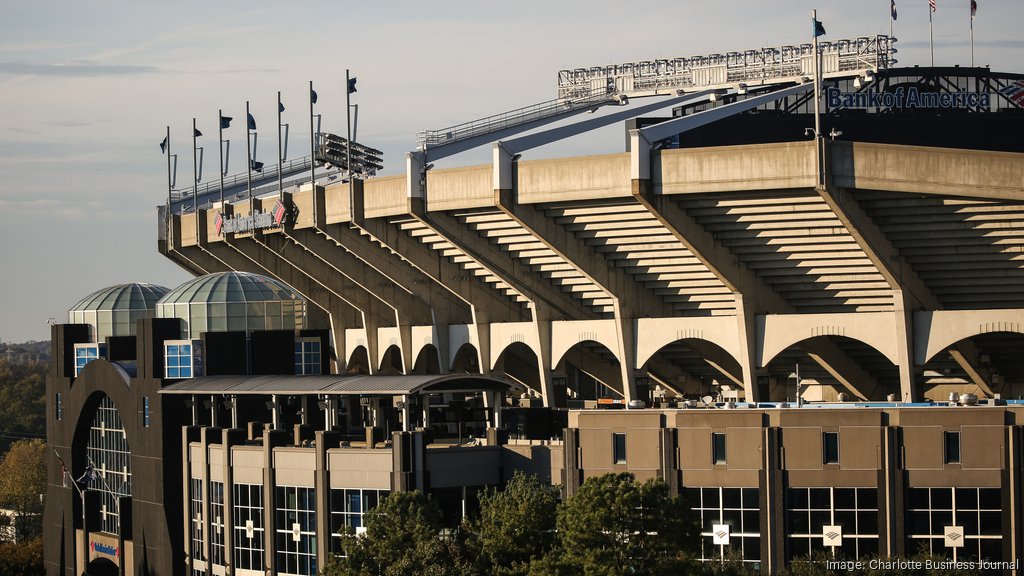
[
  {"x": 543, "y": 327},
  {"x": 890, "y": 494},
  {"x": 1012, "y": 486},
  {"x": 625, "y": 326},
  {"x": 749, "y": 335},
  {"x": 229, "y": 438},
  {"x": 905, "y": 346},
  {"x": 322, "y": 485},
  {"x": 770, "y": 482}
]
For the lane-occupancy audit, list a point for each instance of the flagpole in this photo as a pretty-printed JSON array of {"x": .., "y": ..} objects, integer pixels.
[
  {"x": 817, "y": 96},
  {"x": 195, "y": 177},
  {"x": 348, "y": 145},
  {"x": 972, "y": 35},
  {"x": 248, "y": 157},
  {"x": 168, "y": 214},
  {"x": 220, "y": 154},
  {"x": 280, "y": 162},
  {"x": 931, "y": 34},
  {"x": 312, "y": 152}
]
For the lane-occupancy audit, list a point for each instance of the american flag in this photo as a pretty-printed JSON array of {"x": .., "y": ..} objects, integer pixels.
[
  {"x": 218, "y": 223},
  {"x": 1014, "y": 92},
  {"x": 932, "y": 4},
  {"x": 279, "y": 212}
]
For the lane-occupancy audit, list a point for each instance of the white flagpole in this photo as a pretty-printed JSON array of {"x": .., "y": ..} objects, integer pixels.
[
  {"x": 971, "y": 8},
  {"x": 931, "y": 35}
]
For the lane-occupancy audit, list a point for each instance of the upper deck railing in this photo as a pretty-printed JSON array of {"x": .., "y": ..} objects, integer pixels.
[
  {"x": 765, "y": 65},
  {"x": 600, "y": 85}
]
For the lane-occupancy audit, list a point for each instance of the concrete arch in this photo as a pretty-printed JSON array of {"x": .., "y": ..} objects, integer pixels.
[
  {"x": 433, "y": 337},
  {"x": 508, "y": 334},
  {"x": 391, "y": 361},
  {"x": 776, "y": 332},
  {"x": 358, "y": 361},
  {"x": 653, "y": 334},
  {"x": 525, "y": 370},
  {"x": 428, "y": 360},
  {"x": 568, "y": 333},
  {"x": 466, "y": 359},
  {"x": 935, "y": 331}
]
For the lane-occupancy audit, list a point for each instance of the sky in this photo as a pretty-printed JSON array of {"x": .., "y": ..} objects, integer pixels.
[{"x": 87, "y": 90}]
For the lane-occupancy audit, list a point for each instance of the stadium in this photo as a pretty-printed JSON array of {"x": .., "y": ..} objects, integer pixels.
[{"x": 808, "y": 322}]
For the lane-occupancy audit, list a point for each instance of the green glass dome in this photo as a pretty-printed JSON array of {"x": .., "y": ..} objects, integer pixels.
[
  {"x": 113, "y": 311},
  {"x": 233, "y": 301}
]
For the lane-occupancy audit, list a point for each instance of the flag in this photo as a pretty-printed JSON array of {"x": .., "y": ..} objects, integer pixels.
[
  {"x": 255, "y": 166},
  {"x": 218, "y": 223},
  {"x": 279, "y": 212},
  {"x": 163, "y": 145},
  {"x": 351, "y": 85},
  {"x": 1014, "y": 92},
  {"x": 225, "y": 121},
  {"x": 974, "y": 8},
  {"x": 252, "y": 122},
  {"x": 312, "y": 96},
  {"x": 892, "y": 9},
  {"x": 280, "y": 107},
  {"x": 196, "y": 133},
  {"x": 932, "y": 4},
  {"x": 63, "y": 470},
  {"x": 86, "y": 478},
  {"x": 819, "y": 28}
]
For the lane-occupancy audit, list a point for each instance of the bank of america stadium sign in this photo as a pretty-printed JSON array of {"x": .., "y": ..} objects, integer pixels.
[
  {"x": 905, "y": 97},
  {"x": 274, "y": 218}
]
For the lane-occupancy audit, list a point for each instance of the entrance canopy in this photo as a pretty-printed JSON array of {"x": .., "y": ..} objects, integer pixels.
[{"x": 339, "y": 385}]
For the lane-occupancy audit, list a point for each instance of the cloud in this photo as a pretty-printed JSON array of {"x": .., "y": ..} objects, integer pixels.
[{"x": 78, "y": 68}]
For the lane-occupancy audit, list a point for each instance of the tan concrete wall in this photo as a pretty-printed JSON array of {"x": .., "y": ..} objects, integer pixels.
[
  {"x": 336, "y": 203},
  {"x": 247, "y": 464},
  {"x": 460, "y": 188},
  {"x": 360, "y": 468},
  {"x": 643, "y": 442},
  {"x": 188, "y": 229},
  {"x": 385, "y": 197},
  {"x": 734, "y": 168},
  {"x": 216, "y": 452},
  {"x": 562, "y": 179},
  {"x": 913, "y": 169},
  {"x": 294, "y": 466}
]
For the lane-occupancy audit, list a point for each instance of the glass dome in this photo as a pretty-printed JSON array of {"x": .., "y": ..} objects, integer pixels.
[
  {"x": 113, "y": 311},
  {"x": 233, "y": 301}
]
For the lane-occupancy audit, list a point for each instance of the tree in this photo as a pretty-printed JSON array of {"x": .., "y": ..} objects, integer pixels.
[
  {"x": 22, "y": 401},
  {"x": 613, "y": 525},
  {"x": 22, "y": 559},
  {"x": 403, "y": 536},
  {"x": 516, "y": 525},
  {"x": 22, "y": 484}
]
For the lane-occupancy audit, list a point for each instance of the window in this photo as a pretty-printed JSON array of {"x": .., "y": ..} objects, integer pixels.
[
  {"x": 348, "y": 506},
  {"x": 217, "y": 523},
  {"x": 830, "y": 447},
  {"x": 978, "y": 511},
  {"x": 58, "y": 405},
  {"x": 307, "y": 356},
  {"x": 196, "y": 514},
  {"x": 740, "y": 509},
  {"x": 183, "y": 358},
  {"x": 295, "y": 531},
  {"x": 718, "y": 447},
  {"x": 952, "y": 451},
  {"x": 247, "y": 511},
  {"x": 619, "y": 448},
  {"x": 110, "y": 457},
  {"x": 85, "y": 353},
  {"x": 810, "y": 510},
  {"x": 145, "y": 411}
]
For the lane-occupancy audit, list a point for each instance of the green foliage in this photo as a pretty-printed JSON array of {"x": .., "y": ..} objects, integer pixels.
[
  {"x": 516, "y": 526},
  {"x": 24, "y": 559},
  {"x": 613, "y": 525},
  {"x": 403, "y": 536},
  {"x": 22, "y": 482},
  {"x": 22, "y": 401}
]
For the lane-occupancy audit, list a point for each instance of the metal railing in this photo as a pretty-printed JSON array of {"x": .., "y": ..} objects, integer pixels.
[
  {"x": 489, "y": 124},
  {"x": 773, "y": 64},
  {"x": 258, "y": 178}
]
